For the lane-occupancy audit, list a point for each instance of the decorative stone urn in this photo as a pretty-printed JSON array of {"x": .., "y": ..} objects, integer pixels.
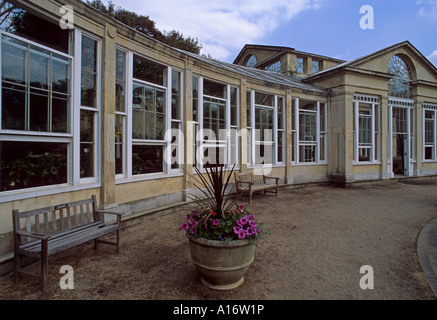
[{"x": 222, "y": 264}]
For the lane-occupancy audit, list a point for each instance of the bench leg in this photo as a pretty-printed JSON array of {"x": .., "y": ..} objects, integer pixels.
[
  {"x": 44, "y": 264},
  {"x": 118, "y": 241},
  {"x": 17, "y": 267}
]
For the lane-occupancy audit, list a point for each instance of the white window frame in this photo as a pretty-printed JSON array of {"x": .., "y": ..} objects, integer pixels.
[
  {"x": 407, "y": 104},
  {"x": 77, "y": 108},
  {"x": 374, "y": 103},
  {"x": 199, "y": 143},
  {"x": 297, "y": 143},
  {"x": 170, "y": 120},
  {"x": 124, "y": 114},
  {"x": 280, "y": 131},
  {"x": 429, "y": 107}
]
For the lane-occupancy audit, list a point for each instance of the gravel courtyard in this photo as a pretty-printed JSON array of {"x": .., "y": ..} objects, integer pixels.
[{"x": 319, "y": 238}]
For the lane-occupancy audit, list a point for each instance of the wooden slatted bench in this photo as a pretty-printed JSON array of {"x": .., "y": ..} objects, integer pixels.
[
  {"x": 42, "y": 232},
  {"x": 252, "y": 183}
]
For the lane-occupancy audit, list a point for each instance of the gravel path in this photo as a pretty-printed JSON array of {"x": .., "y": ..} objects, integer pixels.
[{"x": 319, "y": 238}]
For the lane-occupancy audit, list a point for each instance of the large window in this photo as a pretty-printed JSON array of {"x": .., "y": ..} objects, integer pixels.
[
  {"x": 148, "y": 116},
  {"x": 216, "y": 123},
  {"x": 35, "y": 137},
  {"x": 120, "y": 109},
  {"x": 265, "y": 128},
  {"x": 156, "y": 118},
  {"x": 309, "y": 131},
  {"x": 429, "y": 132},
  {"x": 366, "y": 128},
  {"x": 89, "y": 101},
  {"x": 399, "y": 85}
]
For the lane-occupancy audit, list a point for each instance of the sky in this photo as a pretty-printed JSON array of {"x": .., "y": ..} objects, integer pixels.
[{"x": 334, "y": 28}]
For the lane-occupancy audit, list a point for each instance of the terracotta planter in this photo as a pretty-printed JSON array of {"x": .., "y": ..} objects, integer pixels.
[{"x": 221, "y": 264}]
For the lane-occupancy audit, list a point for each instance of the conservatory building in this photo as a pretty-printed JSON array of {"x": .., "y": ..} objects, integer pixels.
[{"x": 91, "y": 106}]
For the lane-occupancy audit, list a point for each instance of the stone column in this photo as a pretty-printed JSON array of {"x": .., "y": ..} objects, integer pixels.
[
  {"x": 188, "y": 128},
  {"x": 384, "y": 138},
  {"x": 288, "y": 137},
  {"x": 107, "y": 131},
  {"x": 243, "y": 125},
  {"x": 418, "y": 137}
]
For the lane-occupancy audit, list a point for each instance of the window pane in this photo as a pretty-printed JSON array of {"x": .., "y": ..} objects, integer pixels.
[
  {"x": 263, "y": 124},
  {"x": 281, "y": 113},
  {"x": 234, "y": 107},
  {"x": 147, "y": 159},
  {"x": 148, "y": 117},
  {"x": 86, "y": 143},
  {"x": 89, "y": 54},
  {"x": 248, "y": 109},
  {"x": 176, "y": 96},
  {"x": 263, "y": 153},
  {"x": 195, "y": 98},
  {"x": 120, "y": 80},
  {"x": 118, "y": 144},
  {"x": 280, "y": 146},
  {"x": 213, "y": 89},
  {"x": 61, "y": 76},
  {"x": 60, "y": 114},
  {"x": 264, "y": 99},
  {"x": 89, "y": 72},
  {"x": 13, "y": 62},
  {"x": 32, "y": 164},
  {"x": 34, "y": 28},
  {"x": 13, "y": 107},
  {"x": 88, "y": 89},
  {"x": 149, "y": 71},
  {"x": 39, "y": 107},
  {"x": 176, "y": 137},
  {"x": 39, "y": 70},
  {"x": 307, "y": 153},
  {"x": 214, "y": 117},
  {"x": 322, "y": 148},
  {"x": 307, "y": 126}
]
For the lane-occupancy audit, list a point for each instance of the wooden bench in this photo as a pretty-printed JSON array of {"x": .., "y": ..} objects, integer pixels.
[
  {"x": 42, "y": 232},
  {"x": 253, "y": 183}
]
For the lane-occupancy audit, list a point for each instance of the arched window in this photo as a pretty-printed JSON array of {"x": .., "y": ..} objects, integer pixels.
[
  {"x": 250, "y": 61},
  {"x": 400, "y": 85}
]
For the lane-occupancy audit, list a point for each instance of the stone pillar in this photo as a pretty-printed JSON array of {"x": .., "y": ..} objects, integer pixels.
[
  {"x": 188, "y": 128},
  {"x": 384, "y": 138},
  {"x": 107, "y": 131},
  {"x": 243, "y": 125},
  {"x": 288, "y": 137},
  {"x": 418, "y": 137}
]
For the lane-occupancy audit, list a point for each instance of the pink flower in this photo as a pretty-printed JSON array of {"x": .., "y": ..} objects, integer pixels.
[
  {"x": 185, "y": 226},
  {"x": 243, "y": 220},
  {"x": 215, "y": 222},
  {"x": 241, "y": 234}
]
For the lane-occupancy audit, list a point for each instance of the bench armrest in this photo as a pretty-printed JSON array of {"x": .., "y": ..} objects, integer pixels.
[
  {"x": 244, "y": 181},
  {"x": 33, "y": 235},
  {"x": 267, "y": 177},
  {"x": 110, "y": 212},
  {"x": 273, "y": 178}
]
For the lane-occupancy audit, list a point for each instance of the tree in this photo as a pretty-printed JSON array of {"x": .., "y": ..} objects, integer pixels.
[{"x": 145, "y": 25}]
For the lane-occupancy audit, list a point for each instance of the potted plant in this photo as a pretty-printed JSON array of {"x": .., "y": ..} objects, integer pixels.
[{"x": 222, "y": 234}]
